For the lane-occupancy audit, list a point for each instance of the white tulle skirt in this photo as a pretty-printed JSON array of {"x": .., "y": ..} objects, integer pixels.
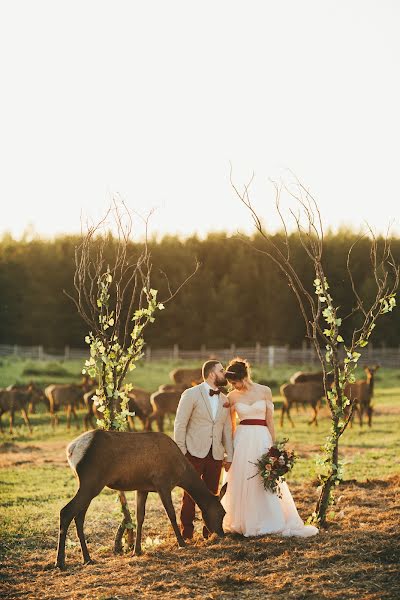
[{"x": 250, "y": 510}]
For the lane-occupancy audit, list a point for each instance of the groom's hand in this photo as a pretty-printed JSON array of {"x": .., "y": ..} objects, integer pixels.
[{"x": 227, "y": 465}]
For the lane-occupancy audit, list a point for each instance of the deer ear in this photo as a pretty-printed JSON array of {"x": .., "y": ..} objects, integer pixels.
[{"x": 222, "y": 491}]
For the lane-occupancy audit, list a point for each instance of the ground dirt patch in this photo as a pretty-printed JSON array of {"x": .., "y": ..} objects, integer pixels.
[{"x": 357, "y": 557}]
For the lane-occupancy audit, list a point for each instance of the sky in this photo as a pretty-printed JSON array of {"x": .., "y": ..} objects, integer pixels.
[{"x": 154, "y": 102}]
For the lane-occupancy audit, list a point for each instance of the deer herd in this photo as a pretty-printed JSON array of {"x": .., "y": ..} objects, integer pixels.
[
  {"x": 304, "y": 389},
  {"x": 146, "y": 406}
]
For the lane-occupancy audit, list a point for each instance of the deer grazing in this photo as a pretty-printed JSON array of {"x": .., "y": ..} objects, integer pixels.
[
  {"x": 67, "y": 396},
  {"x": 143, "y": 461},
  {"x": 361, "y": 393},
  {"x": 14, "y": 400},
  {"x": 37, "y": 396}
]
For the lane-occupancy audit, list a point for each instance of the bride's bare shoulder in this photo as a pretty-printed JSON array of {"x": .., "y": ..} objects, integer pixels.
[
  {"x": 266, "y": 391},
  {"x": 232, "y": 396},
  {"x": 263, "y": 388}
]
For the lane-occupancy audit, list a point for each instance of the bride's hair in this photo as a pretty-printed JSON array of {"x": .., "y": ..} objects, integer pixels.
[{"x": 238, "y": 369}]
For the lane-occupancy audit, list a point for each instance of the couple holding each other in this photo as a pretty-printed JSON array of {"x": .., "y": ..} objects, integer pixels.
[{"x": 205, "y": 430}]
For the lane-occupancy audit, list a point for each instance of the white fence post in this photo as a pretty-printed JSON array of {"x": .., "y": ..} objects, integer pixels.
[
  {"x": 175, "y": 351},
  {"x": 66, "y": 353},
  {"x": 148, "y": 353},
  {"x": 271, "y": 356},
  {"x": 40, "y": 352},
  {"x": 257, "y": 355}
]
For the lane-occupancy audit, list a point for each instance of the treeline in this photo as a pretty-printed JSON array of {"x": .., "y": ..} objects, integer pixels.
[{"x": 238, "y": 295}]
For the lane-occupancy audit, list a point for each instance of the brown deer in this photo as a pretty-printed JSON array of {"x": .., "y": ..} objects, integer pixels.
[
  {"x": 143, "y": 461},
  {"x": 68, "y": 396},
  {"x": 361, "y": 393},
  {"x": 307, "y": 392},
  {"x": 141, "y": 400},
  {"x": 13, "y": 400},
  {"x": 163, "y": 403},
  {"x": 139, "y": 403},
  {"x": 186, "y": 377},
  {"x": 171, "y": 387},
  {"x": 304, "y": 376},
  {"x": 38, "y": 396}
]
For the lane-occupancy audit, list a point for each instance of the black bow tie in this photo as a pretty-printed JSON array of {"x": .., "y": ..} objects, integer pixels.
[{"x": 212, "y": 392}]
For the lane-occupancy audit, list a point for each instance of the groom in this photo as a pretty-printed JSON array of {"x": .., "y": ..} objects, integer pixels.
[{"x": 203, "y": 431}]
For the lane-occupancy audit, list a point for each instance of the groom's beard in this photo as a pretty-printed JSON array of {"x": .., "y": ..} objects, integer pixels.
[{"x": 221, "y": 381}]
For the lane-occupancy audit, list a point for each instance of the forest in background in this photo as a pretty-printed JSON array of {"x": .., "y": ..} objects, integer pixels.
[{"x": 238, "y": 296}]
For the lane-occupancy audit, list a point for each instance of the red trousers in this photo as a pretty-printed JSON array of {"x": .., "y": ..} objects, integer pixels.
[{"x": 209, "y": 470}]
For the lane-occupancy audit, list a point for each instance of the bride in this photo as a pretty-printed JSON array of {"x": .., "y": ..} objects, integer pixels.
[{"x": 250, "y": 510}]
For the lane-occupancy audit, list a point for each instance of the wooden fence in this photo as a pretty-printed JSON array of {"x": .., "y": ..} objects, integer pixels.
[{"x": 258, "y": 354}]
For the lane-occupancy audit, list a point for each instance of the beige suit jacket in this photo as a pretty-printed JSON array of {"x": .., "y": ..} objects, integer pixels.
[{"x": 195, "y": 429}]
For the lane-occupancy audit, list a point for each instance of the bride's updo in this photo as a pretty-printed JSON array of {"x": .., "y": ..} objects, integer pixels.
[{"x": 238, "y": 369}]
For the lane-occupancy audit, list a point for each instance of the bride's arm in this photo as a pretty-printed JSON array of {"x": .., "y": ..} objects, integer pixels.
[
  {"x": 233, "y": 414},
  {"x": 269, "y": 415}
]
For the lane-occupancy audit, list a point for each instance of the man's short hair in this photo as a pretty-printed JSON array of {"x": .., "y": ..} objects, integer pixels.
[{"x": 208, "y": 367}]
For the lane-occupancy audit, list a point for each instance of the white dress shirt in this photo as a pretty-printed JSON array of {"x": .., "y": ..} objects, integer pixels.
[{"x": 213, "y": 400}]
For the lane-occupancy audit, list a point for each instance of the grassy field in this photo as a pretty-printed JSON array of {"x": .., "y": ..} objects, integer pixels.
[{"x": 357, "y": 557}]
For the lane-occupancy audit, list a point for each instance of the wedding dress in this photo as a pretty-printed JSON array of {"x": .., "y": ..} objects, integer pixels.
[{"x": 250, "y": 510}]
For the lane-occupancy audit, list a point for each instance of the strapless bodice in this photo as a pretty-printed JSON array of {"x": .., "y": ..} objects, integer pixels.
[{"x": 256, "y": 410}]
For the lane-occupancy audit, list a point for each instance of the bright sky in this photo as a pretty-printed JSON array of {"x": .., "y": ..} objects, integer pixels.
[{"x": 153, "y": 100}]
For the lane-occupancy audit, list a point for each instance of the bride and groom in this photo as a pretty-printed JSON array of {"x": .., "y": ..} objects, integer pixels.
[{"x": 205, "y": 431}]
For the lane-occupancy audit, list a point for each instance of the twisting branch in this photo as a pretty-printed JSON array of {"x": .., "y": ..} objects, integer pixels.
[
  {"x": 321, "y": 315},
  {"x": 114, "y": 296}
]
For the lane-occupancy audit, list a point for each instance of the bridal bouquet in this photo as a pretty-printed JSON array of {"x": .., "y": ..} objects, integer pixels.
[{"x": 273, "y": 465}]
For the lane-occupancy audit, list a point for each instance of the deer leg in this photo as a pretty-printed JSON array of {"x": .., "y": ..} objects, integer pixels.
[
  {"x": 169, "y": 508},
  {"x": 282, "y": 414},
  {"x": 149, "y": 421},
  {"x": 79, "y": 503},
  {"x": 1, "y": 423},
  {"x": 53, "y": 416},
  {"x": 79, "y": 522},
  {"x": 160, "y": 423},
  {"x": 141, "y": 498},
  {"x": 314, "y": 419},
  {"x": 26, "y": 418},
  {"x": 288, "y": 415},
  {"x": 11, "y": 420},
  {"x": 69, "y": 417},
  {"x": 369, "y": 412},
  {"x": 73, "y": 410}
]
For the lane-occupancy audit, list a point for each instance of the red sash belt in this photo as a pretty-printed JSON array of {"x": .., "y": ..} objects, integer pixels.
[{"x": 253, "y": 422}]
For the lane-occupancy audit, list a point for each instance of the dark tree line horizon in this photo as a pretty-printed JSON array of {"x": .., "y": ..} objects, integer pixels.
[{"x": 237, "y": 297}]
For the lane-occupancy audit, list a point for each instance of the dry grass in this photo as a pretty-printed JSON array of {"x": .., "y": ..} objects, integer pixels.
[{"x": 358, "y": 557}]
